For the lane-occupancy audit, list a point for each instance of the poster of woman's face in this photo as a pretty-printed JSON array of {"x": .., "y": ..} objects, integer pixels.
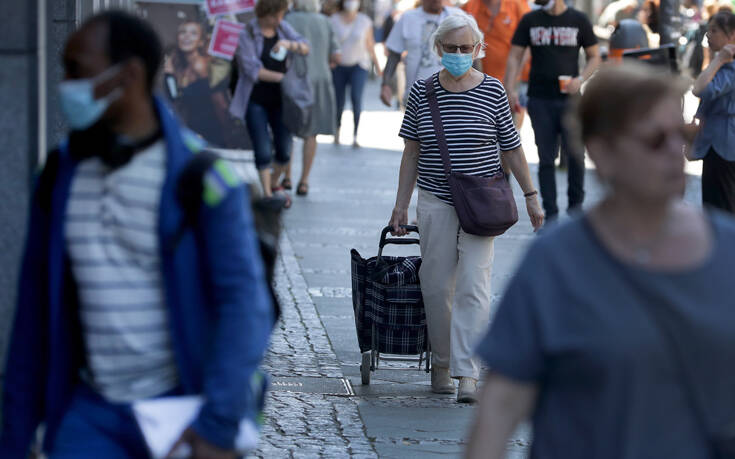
[{"x": 196, "y": 84}]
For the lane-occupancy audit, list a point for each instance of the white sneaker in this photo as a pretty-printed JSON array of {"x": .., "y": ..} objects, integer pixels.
[
  {"x": 441, "y": 382},
  {"x": 467, "y": 392}
]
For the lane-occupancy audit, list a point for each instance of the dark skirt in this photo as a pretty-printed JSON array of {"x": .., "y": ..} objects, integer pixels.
[{"x": 718, "y": 182}]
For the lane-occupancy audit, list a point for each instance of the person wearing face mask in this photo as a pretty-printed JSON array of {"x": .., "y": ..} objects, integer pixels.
[
  {"x": 410, "y": 35},
  {"x": 456, "y": 266},
  {"x": 354, "y": 31},
  {"x": 261, "y": 55},
  {"x": 555, "y": 34},
  {"x": 120, "y": 299},
  {"x": 614, "y": 338}
]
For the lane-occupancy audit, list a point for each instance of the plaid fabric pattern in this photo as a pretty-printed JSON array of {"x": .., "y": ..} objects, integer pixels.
[{"x": 388, "y": 306}]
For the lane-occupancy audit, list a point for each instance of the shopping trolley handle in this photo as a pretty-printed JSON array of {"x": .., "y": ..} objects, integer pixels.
[{"x": 394, "y": 240}]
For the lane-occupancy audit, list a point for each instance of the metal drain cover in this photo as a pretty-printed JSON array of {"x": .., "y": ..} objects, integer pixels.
[{"x": 313, "y": 385}]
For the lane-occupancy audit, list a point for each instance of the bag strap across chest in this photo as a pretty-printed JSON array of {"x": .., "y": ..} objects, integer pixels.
[{"x": 436, "y": 120}]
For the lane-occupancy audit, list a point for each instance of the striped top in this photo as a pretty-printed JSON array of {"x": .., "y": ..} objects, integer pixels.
[
  {"x": 477, "y": 124},
  {"x": 112, "y": 240}
]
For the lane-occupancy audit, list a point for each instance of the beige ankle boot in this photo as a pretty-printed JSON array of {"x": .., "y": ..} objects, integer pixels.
[
  {"x": 467, "y": 392},
  {"x": 441, "y": 382}
]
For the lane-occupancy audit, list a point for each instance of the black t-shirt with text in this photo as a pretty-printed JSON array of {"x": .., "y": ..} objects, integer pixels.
[{"x": 555, "y": 42}]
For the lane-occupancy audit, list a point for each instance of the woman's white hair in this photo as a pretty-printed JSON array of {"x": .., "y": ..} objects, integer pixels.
[
  {"x": 309, "y": 6},
  {"x": 456, "y": 21}
]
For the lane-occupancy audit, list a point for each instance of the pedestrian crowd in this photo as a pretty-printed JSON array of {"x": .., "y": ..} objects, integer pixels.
[{"x": 143, "y": 275}]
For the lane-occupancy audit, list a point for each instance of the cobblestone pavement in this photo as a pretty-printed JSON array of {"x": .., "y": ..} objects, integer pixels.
[{"x": 303, "y": 424}]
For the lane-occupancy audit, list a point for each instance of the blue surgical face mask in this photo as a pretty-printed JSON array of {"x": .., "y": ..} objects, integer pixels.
[
  {"x": 78, "y": 105},
  {"x": 457, "y": 63}
]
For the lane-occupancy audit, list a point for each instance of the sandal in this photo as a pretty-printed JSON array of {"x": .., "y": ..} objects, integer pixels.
[
  {"x": 286, "y": 183},
  {"x": 280, "y": 193},
  {"x": 302, "y": 189}
]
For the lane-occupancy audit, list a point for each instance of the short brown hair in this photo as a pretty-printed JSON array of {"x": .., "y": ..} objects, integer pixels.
[
  {"x": 265, "y": 8},
  {"x": 618, "y": 94}
]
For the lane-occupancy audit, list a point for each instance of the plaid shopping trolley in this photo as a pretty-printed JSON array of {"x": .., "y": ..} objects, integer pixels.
[{"x": 388, "y": 306}]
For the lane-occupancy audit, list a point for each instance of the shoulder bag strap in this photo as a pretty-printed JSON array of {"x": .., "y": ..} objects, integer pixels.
[
  {"x": 436, "y": 119},
  {"x": 654, "y": 311}
]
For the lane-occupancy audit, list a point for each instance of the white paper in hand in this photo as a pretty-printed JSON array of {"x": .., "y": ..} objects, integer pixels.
[{"x": 163, "y": 420}]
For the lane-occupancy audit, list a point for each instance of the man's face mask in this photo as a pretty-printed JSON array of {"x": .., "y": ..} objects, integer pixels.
[{"x": 78, "y": 105}]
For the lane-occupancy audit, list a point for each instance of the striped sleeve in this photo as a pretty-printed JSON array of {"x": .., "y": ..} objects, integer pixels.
[
  {"x": 409, "y": 127},
  {"x": 508, "y": 138}
]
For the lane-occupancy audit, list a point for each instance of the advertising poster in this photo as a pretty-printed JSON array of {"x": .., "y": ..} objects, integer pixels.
[
  {"x": 224, "y": 39},
  {"x": 195, "y": 81},
  {"x": 220, "y": 7}
]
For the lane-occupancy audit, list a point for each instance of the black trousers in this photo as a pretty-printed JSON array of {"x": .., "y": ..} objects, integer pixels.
[
  {"x": 546, "y": 118},
  {"x": 718, "y": 182}
]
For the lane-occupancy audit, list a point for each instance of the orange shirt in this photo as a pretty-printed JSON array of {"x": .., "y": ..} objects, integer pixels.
[{"x": 498, "y": 34}]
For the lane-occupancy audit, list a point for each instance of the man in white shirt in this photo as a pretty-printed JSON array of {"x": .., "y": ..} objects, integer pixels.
[{"x": 411, "y": 35}]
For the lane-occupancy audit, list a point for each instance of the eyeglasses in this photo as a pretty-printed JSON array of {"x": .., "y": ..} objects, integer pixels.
[
  {"x": 656, "y": 141},
  {"x": 464, "y": 49}
]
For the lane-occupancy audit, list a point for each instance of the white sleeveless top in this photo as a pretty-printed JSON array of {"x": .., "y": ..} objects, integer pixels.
[{"x": 352, "y": 39}]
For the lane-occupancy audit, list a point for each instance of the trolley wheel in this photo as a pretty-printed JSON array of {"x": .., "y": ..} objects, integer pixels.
[{"x": 365, "y": 368}]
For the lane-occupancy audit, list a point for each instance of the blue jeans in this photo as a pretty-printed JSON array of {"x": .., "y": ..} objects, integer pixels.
[
  {"x": 257, "y": 119},
  {"x": 547, "y": 119},
  {"x": 93, "y": 427},
  {"x": 356, "y": 77}
]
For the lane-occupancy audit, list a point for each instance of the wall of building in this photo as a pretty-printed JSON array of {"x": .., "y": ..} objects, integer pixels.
[{"x": 30, "y": 121}]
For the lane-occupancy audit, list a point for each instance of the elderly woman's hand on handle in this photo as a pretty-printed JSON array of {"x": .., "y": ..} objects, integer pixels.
[
  {"x": 398, "y": 220},
  {"x": 406, "y": 182}
]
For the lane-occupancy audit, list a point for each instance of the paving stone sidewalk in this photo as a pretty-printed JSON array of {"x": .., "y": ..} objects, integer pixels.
[{"x": 303, "y": 424}]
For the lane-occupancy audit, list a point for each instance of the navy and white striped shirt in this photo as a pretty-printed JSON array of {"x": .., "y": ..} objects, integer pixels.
[
  {"x": 112, "y": 240},
  {"x": 477, "y": 124}
]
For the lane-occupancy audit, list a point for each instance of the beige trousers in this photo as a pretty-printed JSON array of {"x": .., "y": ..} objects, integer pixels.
[{"x": 455, "y": 283}]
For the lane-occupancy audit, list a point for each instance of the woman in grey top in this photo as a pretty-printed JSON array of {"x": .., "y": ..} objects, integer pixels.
[
  {"x": 615, "y": 336},
  {"x": 317, "y": 30}
]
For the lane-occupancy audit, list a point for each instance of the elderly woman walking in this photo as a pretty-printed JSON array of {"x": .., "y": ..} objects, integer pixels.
[
  {"x": 261, "y": 58},
  {"x": 615, "y": 336},
  {"x": 316, "y": 28},
  {"x": 456, "y": 267}
]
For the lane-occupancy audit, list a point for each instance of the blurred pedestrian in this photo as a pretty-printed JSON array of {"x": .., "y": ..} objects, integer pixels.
[
  {"x": 317, "y": 29},
  {"x": 554, "y": 33},
  {"x": 261, "y": 55},
  {"x": 456, "y": 266},
  {"x": 411, "y": 35},
  {"x": 498, "y": 20},
  {"x": 614, "y": 337},
  {"x": 648, "y": 17},
  {"x": 354, "y": 32},
  {"x": 715, "y": 87},
  {"x": 114, "y": 307}
]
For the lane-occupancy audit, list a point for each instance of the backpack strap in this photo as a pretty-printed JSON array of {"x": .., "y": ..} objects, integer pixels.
[{"x": 190, "y": 190}]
